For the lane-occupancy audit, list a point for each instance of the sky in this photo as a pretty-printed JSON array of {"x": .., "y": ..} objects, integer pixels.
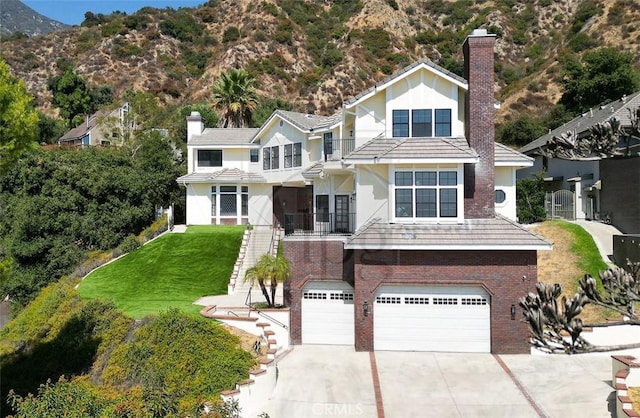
[{"x": 72, "y": 12}]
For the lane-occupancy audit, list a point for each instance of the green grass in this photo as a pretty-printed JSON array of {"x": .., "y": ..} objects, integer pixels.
[
  {"x": 171, "y": 271},
  {"x": 589, "y": 258}
]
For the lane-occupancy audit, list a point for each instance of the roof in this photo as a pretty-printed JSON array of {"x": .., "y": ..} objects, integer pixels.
[
  {"x": 84, "y": 128},
  {"x": 226, "y": 175},
  {"x": 308, "y": 122},
  {"x": 497, "y": 233},
  {"x": 505, "y": 156},
  {"x": 224, "y": 137},
  {"x": 313, "y": 171},
  {"x": 384, "y": 150},
  {"x": 422, "y": 63},
  {"x": 582, "y": 123}
]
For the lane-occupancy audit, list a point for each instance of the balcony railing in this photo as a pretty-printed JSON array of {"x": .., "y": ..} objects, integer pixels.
[
  {"x": 324, "y": 223},
  {"x": 335, "y": 149}
]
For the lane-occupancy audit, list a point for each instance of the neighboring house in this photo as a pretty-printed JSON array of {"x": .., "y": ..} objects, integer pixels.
[
  {"x": 398, "y": 211},
  {"x": 105, "y": 127},
  {"x": 600, "y": 186}
]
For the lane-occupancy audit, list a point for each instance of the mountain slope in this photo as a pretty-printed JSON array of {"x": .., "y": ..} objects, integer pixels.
[
  {"x": 316, "y": 54},
  {"x": 15, "y": 16}
]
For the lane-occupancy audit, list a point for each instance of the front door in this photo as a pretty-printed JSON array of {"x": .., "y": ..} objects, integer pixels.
[{"x": 342, "y": 213}]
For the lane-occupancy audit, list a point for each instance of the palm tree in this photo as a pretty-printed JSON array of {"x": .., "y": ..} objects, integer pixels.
[
  {"x": 269, "y": 270},
  {"x": 235, "y": 97}
]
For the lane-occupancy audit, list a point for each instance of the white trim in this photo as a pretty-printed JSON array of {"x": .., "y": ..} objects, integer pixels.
[{"x": 423, "y": 160}]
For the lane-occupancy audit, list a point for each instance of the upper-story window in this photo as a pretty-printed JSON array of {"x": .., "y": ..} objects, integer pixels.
[
  {"x": 254, "y": 155},
  {"x": 293, "y": 155},
  {"x": 270, "y": 158},
  {"x": 420, "y": 123},
  {"x": 209, "y": 158},
  {"x": 426, "y": 194}
]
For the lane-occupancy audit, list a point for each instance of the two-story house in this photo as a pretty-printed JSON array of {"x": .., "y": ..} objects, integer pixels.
[
  {"x": 398, "y": 211},
  {"x": 105, "y": 127}
]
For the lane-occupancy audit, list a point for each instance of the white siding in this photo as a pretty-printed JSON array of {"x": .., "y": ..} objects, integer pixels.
[
  {"x": 505, "y": 181},
  {"x": 372, "y": 194}
]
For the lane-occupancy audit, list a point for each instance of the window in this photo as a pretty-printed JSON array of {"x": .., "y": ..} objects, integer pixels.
[
  {"x": 400, "y": 123},
  {"x": 426, "y": 194},
  {"x": 443, "y": 122},
  {"x": 322, "y": 207},
  {"x": 270, "y": 158},
  {"x": 225, "y": 201},
  {"x": 228, "y": 201},
  {"x": 293, "y": 155},
  {"x": 254, "y": 155},
  {"x": 297, "y": 154},
  {"x": 421, "y": 122},
  {"x": 501, "y": 196},
  {"x": 214, "y": 199},
  {"x": 328, "y": 144},
  {"x": 209, "y": 158},
  {"x": 275, "y": 157},
  {"x": 245, "y": 201}
]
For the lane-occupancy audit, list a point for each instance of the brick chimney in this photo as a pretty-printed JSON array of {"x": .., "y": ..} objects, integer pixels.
[{"x": 479, "y": 194}]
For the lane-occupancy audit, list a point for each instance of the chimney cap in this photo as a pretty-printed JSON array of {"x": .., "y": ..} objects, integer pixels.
[
  {"x": 479, "y": 32},
  {"x": 195, "y": 113}
]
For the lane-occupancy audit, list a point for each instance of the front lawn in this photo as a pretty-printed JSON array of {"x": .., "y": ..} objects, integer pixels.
[{"x": 172, "y": 271}]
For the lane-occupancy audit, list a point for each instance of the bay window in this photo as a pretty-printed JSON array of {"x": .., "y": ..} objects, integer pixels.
[
  {"x": 426, "y": 193},
  {"x": 230, "y": 202}
]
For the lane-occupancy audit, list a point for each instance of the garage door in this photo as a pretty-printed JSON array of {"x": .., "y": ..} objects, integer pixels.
[
  {"x": 327, "y": 313},
  {"x": 409, "y": 318}
]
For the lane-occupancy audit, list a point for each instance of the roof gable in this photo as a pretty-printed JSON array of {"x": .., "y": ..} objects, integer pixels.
[
  {"x": 304, "y": 122},
  {"x": 424, "y": 64}
]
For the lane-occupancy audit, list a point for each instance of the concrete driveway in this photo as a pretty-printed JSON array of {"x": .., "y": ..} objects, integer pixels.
[{"x": 336, "y": 381}]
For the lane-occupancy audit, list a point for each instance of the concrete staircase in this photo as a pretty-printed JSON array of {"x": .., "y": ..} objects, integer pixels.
[{"x": 259, "y": 243}]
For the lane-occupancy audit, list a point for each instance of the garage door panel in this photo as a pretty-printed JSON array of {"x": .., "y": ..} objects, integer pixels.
[
  {"x": 327, "y": 313},
  {"x": 432, "y": 319}
]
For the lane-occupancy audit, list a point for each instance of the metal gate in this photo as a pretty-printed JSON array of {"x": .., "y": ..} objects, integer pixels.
[{"x": 560, "y": 205}]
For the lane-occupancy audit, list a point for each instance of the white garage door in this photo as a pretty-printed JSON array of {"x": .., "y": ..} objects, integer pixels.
[
  {"x": 327, "y": 313},
  {"x": 453, "y": 319}
]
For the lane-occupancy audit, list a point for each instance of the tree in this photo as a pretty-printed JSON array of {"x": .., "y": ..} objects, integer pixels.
[
  {"x": 604, "y": 75},
  {"x": 266, "y": 107},
  {"x": 235, "y": 97},
  {"x": 520, "y": 131},
  {"x": 18, "y": 119},
  {"x": 71, "y": 96},
  {"x": 530, "y": 199},
  {"x": 269, "y": 270}
]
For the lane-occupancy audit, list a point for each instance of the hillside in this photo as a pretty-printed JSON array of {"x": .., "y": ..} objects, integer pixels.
[
  {"x": 15, "y": 17},
  {"x": 316, "y": 54}
]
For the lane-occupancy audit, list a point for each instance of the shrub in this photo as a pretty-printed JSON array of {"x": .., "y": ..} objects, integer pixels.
[
  {"x": 130, "y": 243},
  {"x": 184, "y": 355},
  {"x": 530, "y": 197},
  {"x": 231, "y": 34}
]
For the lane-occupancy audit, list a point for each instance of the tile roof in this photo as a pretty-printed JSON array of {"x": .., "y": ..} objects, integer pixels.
[
  {"x": 313, "y": 171},
  {"x": 412, "y": 148},
  {"x": 425, "y": 61},
  {"x": 224, "y": 136},
  {"x": 226, "y": 175},
  {"x": 497, "y": 233},
  {"x": 308, "y": 122},
  {"x": 582, "y": 123},
  {"x": 507, "y": 156}
]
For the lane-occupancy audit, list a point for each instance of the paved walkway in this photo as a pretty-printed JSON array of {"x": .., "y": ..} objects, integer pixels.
[{"x": 602, "y": 234}]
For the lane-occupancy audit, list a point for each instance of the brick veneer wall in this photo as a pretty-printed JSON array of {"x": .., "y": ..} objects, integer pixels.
[
  {"x": 499, "y": 272},
  {"x": 479, "y": 111},
  {"x": 312, "y": 261}
]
